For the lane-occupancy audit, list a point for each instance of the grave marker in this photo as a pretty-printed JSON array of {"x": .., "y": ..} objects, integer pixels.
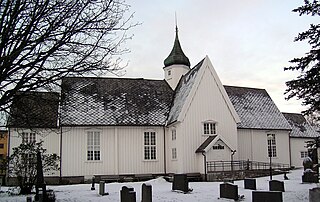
[
  {"x": 267, "y": 196},
  {"x": 275, "y": 185},
  {"x": 102, "y": 188},
  {"x": 127, "y": 194},
  {"x": 146, "y": 193},
  {"x": 229, "y": 191},
  {"x": 180, "y": 182},
  {"x": 250, "y": 183}
]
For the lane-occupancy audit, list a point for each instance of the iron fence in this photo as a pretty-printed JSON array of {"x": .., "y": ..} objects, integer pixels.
[{"x": 217, "y": 166}]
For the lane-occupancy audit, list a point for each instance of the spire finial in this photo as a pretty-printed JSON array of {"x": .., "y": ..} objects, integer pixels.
[{"x": 175, "y": 15}]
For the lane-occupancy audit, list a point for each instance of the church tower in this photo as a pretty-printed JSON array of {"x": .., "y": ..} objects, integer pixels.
[{"x": 176, "y": 64}]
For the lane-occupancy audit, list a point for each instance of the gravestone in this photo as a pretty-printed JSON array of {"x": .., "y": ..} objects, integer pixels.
[
  {"x": 29, "y": 199},
  {"x": 267, "y": 196},
  {"x": 314, "y": 194},
  {"x": 229, "y": 191},
  {"x": 275, "y": 185},
  {"x": 310, "y": 176},
  {"x": 127, "y": 194},
  {"x": 41, "y": 194},
  {"x": 250, "y": 183},
  {"x": 180, "y": 182},
  {"x": 102, "y": 189},
  {"x": 146, "y": 193},
  {"x": 92, "y": 185}
]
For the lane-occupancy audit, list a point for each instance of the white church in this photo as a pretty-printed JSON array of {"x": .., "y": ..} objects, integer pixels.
[{"x": 122, "y": 127}]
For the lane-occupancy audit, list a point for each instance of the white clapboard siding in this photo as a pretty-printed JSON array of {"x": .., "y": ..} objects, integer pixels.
[
  {"x": 207, "y": 104},
  {"x": 297, "y": 145},
  {"x": 121, "y": 151},
  {"x": 50, "y": 138},
  {"x": 253, "y": 145},
  {"x": 131, "y": 151}
]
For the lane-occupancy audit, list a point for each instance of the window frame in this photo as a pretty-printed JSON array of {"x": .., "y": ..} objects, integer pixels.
[
  {"x": 173, "y": 134},
  {"x": 149, "y": 145},
  {"x": 303, "y": 154},
  {"x": 93, "y": 151},
  {"x": 272, "y": 145},
  {"x": 174, "y": 154},
  {"x": 28, "y": 137},
  {"x": 209, "y": 128}
]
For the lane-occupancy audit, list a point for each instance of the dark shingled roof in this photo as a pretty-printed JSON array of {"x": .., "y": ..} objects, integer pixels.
[
  {"x": 205, "y": 144},
  {"x": 34, "y": 110},
  {"x": 300, "y": 126},
  {"x": 115, "y": 101},
  {"x": 256, "y": 109},
  {"x": 182, "y": 91}
]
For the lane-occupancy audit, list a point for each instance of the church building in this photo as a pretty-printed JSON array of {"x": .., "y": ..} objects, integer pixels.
[{"x": 123, "y": 126}]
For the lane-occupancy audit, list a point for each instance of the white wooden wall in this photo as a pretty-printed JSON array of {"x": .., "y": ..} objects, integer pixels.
[
  {"x": 297, "y": 145},
  {"x": 121, "y": 151},
  {"x": 207, "y": 104},
  {"x": 50, "y": 137},
  {"x": 253, "y": 145}
]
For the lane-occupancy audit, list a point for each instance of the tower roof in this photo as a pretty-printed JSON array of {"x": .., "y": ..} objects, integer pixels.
[{"x": 176, "y": 56}]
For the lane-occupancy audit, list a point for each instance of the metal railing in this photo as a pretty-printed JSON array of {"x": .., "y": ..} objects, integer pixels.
[{"x": 218, "y": 166}]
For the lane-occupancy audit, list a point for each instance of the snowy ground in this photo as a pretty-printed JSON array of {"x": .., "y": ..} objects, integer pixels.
[{"x": 202, "y": 191}]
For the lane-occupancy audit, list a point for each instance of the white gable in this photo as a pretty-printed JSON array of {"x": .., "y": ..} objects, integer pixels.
[{"x": 207, "y": 64}]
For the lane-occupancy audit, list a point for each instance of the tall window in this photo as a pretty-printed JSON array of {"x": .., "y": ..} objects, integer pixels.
[
  {"x": 93, "y": 146},
  {"x": 174, "y": 134},
  {"x": 174, "y": 153},
  {"x": 28, "y": 137},
  {"x": 209, "y": 128},
  {"x": 150, "y": 145},
  {"x": 272, "y": 149}
]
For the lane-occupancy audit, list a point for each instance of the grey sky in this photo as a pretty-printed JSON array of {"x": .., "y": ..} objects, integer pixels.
[{"x": 248, "y": 41}]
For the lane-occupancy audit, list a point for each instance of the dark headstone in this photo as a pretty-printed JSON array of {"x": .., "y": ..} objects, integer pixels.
[
  {"x": 314, "y": 194},
  {"x": 267, "y": 196},
  {"x": 92, "y": 185},
  {"x": 127, "y": 194},
  {"x": 102, "y": 189},
  {"x": 180, "y": 182},
  {"x": 40, "y": 185},
  {"x": 310, "y": 177},
  {"x": 250, "y": 183},
  {"x": 29, "y": 199},
  {"x": 275, "y": 185},
  {"x": 229, "y": 191},
  {"x": 307, "y": 163},
  {"x": 146, "y": 193}
]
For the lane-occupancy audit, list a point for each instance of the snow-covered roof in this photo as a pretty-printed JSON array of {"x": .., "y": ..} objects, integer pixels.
[
  {"x": 182, "y": 91},
  {"x": 300, "y": 126},
  {"x": 34, "y": 110},
  {"x": 256, "y": 109},
  {"x": 114, "y": 101}
]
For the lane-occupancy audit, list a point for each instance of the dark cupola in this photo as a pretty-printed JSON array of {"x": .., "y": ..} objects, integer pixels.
[{"x": 176, "y": 57}]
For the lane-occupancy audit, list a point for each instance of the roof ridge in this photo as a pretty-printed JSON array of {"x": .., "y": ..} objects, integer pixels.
[
  {"x": 124, "y": 78},
  {"x": 244, "y": 87}
]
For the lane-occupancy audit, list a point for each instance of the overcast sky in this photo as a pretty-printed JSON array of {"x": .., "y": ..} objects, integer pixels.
[{"x": 249, "y": 42}]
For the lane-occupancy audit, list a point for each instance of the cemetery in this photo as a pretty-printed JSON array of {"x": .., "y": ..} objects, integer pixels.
[{"x": 250, "y": 189}]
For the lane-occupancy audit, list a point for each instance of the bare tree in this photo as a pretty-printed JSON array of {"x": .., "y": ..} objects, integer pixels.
[{"x": 43, "y": 41}]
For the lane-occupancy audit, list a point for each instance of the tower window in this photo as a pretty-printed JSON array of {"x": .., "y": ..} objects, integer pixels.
[{"x": 169, "y": 72}]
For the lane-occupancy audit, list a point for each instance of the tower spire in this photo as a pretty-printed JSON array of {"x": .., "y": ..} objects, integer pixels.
[{"x": 176, "y": 56}]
